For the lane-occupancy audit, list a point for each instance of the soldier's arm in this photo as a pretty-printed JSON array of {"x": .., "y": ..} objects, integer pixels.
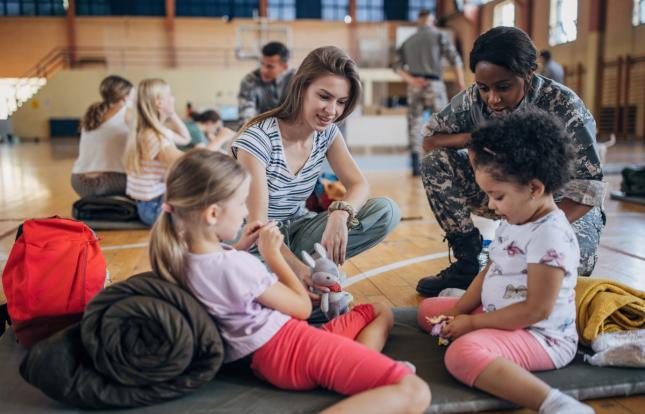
[
  {"x": 456, "y": 141},
  {"x": 586, "y": 190},
  {"x": 448, "y": 129},
  {"x": 247, "y": 107}
]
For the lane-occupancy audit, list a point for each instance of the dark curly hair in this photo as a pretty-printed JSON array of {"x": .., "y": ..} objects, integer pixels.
[
  {"x": 508, "y": 47},
  {"x": 525, "y": 145}
]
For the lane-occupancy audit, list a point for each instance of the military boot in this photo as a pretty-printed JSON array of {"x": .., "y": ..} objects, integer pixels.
[{"x": 465, "y": 248}]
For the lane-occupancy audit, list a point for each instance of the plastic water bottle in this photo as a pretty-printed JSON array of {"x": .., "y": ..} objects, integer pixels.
[{"x": 483, "y": 256}]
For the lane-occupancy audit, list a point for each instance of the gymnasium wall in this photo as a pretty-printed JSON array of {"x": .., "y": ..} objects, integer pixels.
[
  {"x": 25, "y": 40},
  {"x": 70, "y": 92}
]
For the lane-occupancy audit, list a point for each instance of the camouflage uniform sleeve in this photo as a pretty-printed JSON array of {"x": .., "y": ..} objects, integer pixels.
[
  {"x": 453, "y": 119},
  {"x": 449, "y": 51},
  {"x": 399, "y": 59},
  {"x": 247, "y": 107},
  {"x": 586, "y": 187}
]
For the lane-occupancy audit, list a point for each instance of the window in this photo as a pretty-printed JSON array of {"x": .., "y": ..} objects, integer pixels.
[
  {"x": 32, "y": 8},
  {"x": 335, "y": 9},
  {"x": 563, "y": 18},
  {"x": 414, "y": 6},
  {"x": 211, "y": 8},
  {"x": 504, "y": 14},
  {"x": 281, "y": 9},
  {"x": 120, "y": 8},
  {"x": 244, "y": 8},
  {"x": 639, "y": 12},
  {"x": 369, "y": 10}
]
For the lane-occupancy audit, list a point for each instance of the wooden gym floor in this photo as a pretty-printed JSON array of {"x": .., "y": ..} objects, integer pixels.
[{"x": 34, "y": 182}]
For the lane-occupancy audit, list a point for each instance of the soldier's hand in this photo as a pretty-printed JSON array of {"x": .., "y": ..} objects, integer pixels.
[{"x": 420, "y": 82}]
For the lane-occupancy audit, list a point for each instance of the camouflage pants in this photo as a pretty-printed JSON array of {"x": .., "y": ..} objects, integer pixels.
[
  {"x": 432, "y": 96},
  {"x": 453, "y": 195}
]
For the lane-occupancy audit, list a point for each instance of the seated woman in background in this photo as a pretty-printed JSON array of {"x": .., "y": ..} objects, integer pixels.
[
  {"x": 284, "y": 150},
  {"x": 206, "y": 130},
  {"x": 99, "y": 169},
  {"x": 152, "y": 147}
]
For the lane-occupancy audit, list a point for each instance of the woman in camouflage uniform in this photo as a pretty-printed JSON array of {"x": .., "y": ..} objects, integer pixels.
[{"x": 504, "y": 62}]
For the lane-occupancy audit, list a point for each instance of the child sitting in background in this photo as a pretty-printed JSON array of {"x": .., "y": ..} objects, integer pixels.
[
  {"x": 151, "y": 147},
  {"x": 99, "y": 170},
  {"x": 518, "y": 314},
  {"x": 260, "y": 312},
  {"x": 206, "y": 130}
]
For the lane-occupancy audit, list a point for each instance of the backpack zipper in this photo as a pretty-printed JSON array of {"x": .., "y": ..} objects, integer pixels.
[{"x": 84, "y": 273}]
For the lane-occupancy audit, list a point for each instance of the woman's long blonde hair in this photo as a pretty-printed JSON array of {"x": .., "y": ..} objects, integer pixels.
[
  {"x": 324, "y": 61},
  {"x": 199, "y": 178},
  {"x": 147, "y": 116},
  {"x": 113, "y": 89}
]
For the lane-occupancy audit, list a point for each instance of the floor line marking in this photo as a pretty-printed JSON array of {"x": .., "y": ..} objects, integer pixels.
[
  {"x": 9, "y": 232},
  {"x": 124, "y": 246},
  {"x": 396, "y": 265},
  {"x": 613, "y": 249}
]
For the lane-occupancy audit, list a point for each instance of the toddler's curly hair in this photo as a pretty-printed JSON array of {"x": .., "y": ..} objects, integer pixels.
[{"x": 525, "y": 145}]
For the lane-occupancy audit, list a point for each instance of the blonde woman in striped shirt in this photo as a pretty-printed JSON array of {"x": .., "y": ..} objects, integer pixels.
[{"x": 151, "y": 148}]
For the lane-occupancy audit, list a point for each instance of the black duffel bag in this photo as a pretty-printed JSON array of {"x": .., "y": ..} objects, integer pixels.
[
  {"x": 633, "y": 182},
  {"x": 105, "y": 208}
]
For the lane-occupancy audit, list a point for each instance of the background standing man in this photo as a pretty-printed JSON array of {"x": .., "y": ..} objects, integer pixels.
[
  {"x": 265, "y": 88},
  {"x": 550, "y": 68},
  {"x": 419, "y": 64}
]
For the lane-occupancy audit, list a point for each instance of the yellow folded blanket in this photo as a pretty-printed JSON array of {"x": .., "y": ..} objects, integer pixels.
[{"x": 606, "y": 306}]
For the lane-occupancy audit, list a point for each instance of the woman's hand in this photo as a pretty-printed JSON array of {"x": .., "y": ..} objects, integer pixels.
[
  {"x": 461, "y": 325},
  {"x": 270, "y": 240},
  {"x": 249, "y": 237},
  {"x": 334, "y": 238},
  {"x": 217, "y": 141}
]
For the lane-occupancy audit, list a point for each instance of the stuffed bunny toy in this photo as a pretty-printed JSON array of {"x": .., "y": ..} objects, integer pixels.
[{"x": 326, "y": 273}]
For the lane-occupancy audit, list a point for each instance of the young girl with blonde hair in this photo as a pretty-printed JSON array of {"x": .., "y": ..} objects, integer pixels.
[
  {"x": 99, "y": 170},
  {"x": 151, "y": 146},
  {"x": 259, "y": 312}
]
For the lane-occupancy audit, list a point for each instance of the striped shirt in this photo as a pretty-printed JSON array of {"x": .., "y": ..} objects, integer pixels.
[
  {"x": 151, "y": 181},
  {"x": 287, "y": 192}
]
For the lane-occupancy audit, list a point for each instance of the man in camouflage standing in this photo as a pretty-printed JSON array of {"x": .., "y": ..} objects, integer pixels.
[
  {"x": 265, "y": 88},
  {"x": 419, "y": 64}
]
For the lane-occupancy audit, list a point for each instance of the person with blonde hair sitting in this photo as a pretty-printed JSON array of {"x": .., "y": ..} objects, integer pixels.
[{"x": 151, "y": 148}]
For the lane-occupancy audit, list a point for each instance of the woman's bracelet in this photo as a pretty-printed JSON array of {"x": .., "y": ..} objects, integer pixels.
[{"x": 352, "y": 221}]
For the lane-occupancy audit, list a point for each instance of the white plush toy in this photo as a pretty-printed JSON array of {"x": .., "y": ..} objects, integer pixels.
[{"x": 326, "y": 273}]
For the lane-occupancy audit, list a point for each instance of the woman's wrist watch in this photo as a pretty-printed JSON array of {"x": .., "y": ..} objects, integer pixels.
[{"x": 352, "y": 221}]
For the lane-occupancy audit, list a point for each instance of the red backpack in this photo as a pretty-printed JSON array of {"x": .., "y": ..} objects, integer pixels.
[{"x": 54, "y": 269}]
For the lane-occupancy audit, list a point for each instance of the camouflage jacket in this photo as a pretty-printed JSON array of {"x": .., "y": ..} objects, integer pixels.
[
  {"x": 256, "y": 96},
  {"x": 466, "y": 111}
]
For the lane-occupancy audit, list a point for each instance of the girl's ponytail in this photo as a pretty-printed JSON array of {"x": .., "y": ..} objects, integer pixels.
[
  {"x": 196, "y": 180},
  {"x": 113, "y": 89},
  {"x": 168, "y": 250},
  {"x": 93, "y": 117}
]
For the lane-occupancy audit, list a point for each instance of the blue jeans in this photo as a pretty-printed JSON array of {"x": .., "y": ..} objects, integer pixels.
[{"x": 149, "y": 210}]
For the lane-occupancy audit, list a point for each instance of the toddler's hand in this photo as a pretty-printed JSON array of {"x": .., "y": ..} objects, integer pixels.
[
  {"x": 269, "y": 240},
  {"x": 460, "y": 325}
]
